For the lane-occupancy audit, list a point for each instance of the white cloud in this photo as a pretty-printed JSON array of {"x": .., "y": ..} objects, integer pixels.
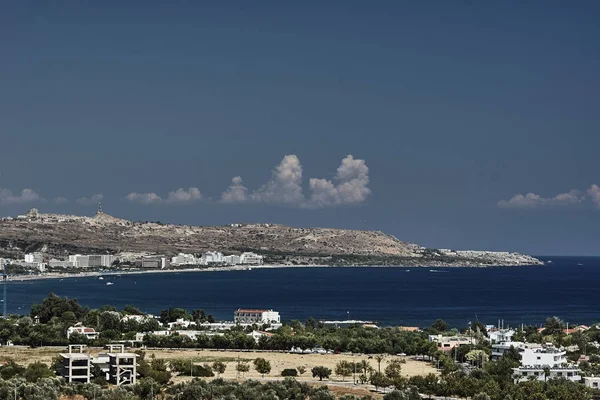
[
  {"x": 594, "y": 193},
  {"x": 60, "y": 200},
  {"x": 184, "y": 196},
  {"x": 26, "y": 196},
  {"x": 352, "y": 185},
  {"x": 349, "y": 186},
  {"x": 532, "y": 200},
  {"x": 90, "y": 201},
  {"x": 143, "y": 198},
  {"x": 179, "y": 196},
  {"x": 236, "y": 192},
  {"x": 285, "y": 185}
]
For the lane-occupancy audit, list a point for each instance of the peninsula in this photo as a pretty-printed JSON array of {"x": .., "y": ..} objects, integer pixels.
[{"x": 60, "y": 235}]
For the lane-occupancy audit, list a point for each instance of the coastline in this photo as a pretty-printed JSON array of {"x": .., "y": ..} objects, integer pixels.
[{"x": 54, "y": 275}]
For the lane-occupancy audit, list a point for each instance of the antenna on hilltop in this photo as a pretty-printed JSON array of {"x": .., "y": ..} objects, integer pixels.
[{"x": 99, "y": 207}]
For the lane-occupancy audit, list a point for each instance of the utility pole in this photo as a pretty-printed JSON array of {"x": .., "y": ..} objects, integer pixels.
[{"x": 5, "y": 284}]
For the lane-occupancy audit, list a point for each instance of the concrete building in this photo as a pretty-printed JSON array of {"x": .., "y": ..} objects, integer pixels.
[
  {"x": 80, "y": 261},
  {"x": 251, "y": 259},
  {"x": 76, "y": 365},
  {"x": 249, "y": 316},
  {"x": 60, "y": 263},
  {"x": 447, "y": 343},
  {"x": 34, "y": 258},
  {"x": 156, "y": 262},
  {"x": 501, "y": 335},
  {"x": 184, "y": 259},
  {"x": 122, "y": 368},
  {"x": 90, "y": 333},
  {"x": 100, "y": 260},
  {"x": 535, "y": 361},
  {"x": 232, "y": 260},
  {"x": 212, "y": 257},
  {"x": 593, "y": 382}
]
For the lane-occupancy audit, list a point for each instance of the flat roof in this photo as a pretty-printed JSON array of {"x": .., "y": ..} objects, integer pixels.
[
  {"x": 81, "y": 356},
  {"x": 123, "y": 355}
]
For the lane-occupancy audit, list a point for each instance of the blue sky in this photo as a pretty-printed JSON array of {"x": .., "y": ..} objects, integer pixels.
[{"x": 450, "y": 110}]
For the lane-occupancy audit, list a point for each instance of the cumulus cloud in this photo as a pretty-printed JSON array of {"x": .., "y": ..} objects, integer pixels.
[
  {"x": 236, "y": 192},
  {"x": 532, "y": 200},
  {"x": 60, "y": 200},
  {"x": 285, "y": 185},
  {"x": 179, "y": 196},
  {"x": 26, "y": 196},
  {"x": 90, "y": 201},
  {"x": 349, "y": 186},
  {"x": 594, "y": 193}
]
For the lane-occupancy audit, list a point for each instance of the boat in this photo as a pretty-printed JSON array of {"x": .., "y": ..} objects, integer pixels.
[
  {"x": 407, "y": 270},
  {"x": 101, "y": 278},
  {"x": 579, "y": 264},
  {"x": 109, "y": 283}
]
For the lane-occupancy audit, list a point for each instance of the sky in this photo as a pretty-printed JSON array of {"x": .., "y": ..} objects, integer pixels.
[{"x": 451, "y": 124}]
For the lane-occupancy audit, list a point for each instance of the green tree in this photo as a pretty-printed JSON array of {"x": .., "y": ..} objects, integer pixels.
[
  {"x": 393, "y": 370},
  {"x": 379, "y": 380},
  {"x": 262, "y": 366},
  {"x": 219, "y": 367},
  {"x": 321, "y": 372},
  {"x": 379, "y": 358},
  {"x": 37, "y": 371},
  {"x": 481, "y": 396},
  {"x": 344, "y": 368},
  {"x": 440, "y": 325}
]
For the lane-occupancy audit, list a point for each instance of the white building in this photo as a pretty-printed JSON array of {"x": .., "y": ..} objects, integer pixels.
[
  {"x": 447, "y": 343},
  {"x": 89, "y": 333},
  {"x": 34, "y": 257},
  {"x": 592, "y": 382},
  {"x": 251, "y": 258},
  {"x": 535, "y": 361},
  {"x": 60, "y": 263},
  {"x": 248, "y": 316},
  {"x": 80, "y": 261},
  {"x": 184, "y": 259},
  {"x": 232, "y": 260},
  {"x": 212, "y": 257},
  {"x": 501, "y": 335},
  {"x": 93, "y": 260}
]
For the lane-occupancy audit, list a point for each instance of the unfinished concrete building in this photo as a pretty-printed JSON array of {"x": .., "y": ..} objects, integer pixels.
[
  {"x": 76, "y": 365},
  {"x": 122, "y": 367}
]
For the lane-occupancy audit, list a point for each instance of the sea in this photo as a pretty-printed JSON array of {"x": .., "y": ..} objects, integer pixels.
[{"x": 566, "y": 287}]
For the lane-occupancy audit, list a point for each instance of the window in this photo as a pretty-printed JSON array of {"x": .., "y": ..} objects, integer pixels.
[
  {"x": 524, "y": 373},
  {"x": 559, "y": 374}
]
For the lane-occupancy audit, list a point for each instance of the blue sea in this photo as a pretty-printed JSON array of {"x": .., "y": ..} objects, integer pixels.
[{"x": 568, "y": 288}]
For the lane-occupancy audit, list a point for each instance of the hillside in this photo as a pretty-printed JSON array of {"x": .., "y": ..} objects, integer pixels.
[{"x": 60, "y": 235}]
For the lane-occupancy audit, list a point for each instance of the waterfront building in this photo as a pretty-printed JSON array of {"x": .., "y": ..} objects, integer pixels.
[
  {"x": 212, "y": 257},
  {"x": 251, "y": 259},
  {"x": 90, "y": 333},
  {"x": 36, "y": 257},
  {"x": 60, "y": 263},
  {"x": 534, "y": 363},
  {"x": 76, "y": 365},
  {"x": 248, "y": 316},
  {"x": 184, "y": 259},
  {"x": 232, "y": 260},
  {"x": 156, "y": 262}
]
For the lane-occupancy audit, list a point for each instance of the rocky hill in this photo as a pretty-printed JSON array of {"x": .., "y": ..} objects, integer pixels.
[{"x": 60, "y": 235}]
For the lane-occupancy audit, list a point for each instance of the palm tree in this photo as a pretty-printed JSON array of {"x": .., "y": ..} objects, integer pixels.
[{"x": 379, "y": 358}]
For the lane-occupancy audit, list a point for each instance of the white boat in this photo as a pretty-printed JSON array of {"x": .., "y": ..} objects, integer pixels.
[
  {"x": 101, "y": 278},
  {"x": 109, "y": 283}
]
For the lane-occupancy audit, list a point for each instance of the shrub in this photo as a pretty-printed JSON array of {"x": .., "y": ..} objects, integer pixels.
[{"x": 289, "y": 372}]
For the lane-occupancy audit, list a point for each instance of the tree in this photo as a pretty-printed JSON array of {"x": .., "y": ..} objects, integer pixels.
[
  {"x": 262, "y": 366},
  {"x": 219, "y": 367},
  {"x": 343, "y": 368},
  {"x": 393, "y": 370},
  {"x": 321, "y": 372},
  {"x": 440, "y": 325},
  {"x": 379, "y": 380},
  {"x": 242, "y": 367},
  {"x": 379, "y": 358},
  {"x": 553, "y": 326},
  {"x": 481, "y": 396},
  {"x": 36, "y": 371},
  {"x": 301, "y": 369}
]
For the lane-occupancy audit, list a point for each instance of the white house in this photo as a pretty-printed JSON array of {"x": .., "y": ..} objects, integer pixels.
[
  {"x": 248, "y": 316},
  {"x": 251, "y": 258},
  {"x": 592, "y": 382},
  {"x": 535, "y": 361},
  {"x": 184, "y": 259},
  {"x": 181, "y": 323},
  {"x": 232, "y": 260},
  {"x": 89, "y": 333},
  {"x": 447, "y": 343},
  {"x": 501, "y": 335}
]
